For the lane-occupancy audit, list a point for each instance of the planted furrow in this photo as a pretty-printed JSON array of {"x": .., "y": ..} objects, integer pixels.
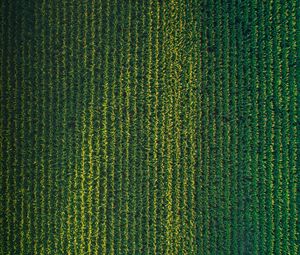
[
  {"x": 148, "y": 115},
  {"x": 77, "y": 127},
  {"x": 204, "y": 134},
  {"x": 254, "y": 125},
  {"x": 169, "y": 214},
  {"x": 285, "y": 86},
  {"x": 63, "y": 112},
  {"x": 154, "y": 127},
  {"x": 37, "y": 175},
  {"x": 199, "y": 198},
  {"x": 127, "y": 135},
  {"x": 191, "y": 240},
  {"x": 182, "y": 120},
  {"x": 183, "y": 177},
  {"x": 191, "y": 150},
  {"x": 29, "y": 145},
  {"x": 90, "y": 140},
  {"x": 218, "y": 108},
  {"x": 104, "y": 135},
  {"x": 227, "y": 175},
  {"x": 261, "y": 105},
  {"x": 43, "y": 163},
  {"x": 188, "y": 171},
  {"x": 277, "y": 172},
  {"x": 112, "y": 140},
  {"x": 134, "y": 134},
  {"x": 95, "y": 213},
  {"x": 82, "y": 192},
  {"x": 50, "y": 133},
  {"x": 57, "y": 148},
  {"x": 22, "y": 226},
  {"x": 211, "y": 138},
  {"x": 161, "y": 237},
  {"x": 141, "y": 126},
  {"x": 175, "y": 76},
  {"x": 84, "y": 185},
  {"x": 241, "y": 118},
  {"x": 246, "y": 176},
  {"x": 119, "y": 238},
  {"x": 79, "y": 149},
  {"x": 82, "y": 178},
  {"x": 8, "y": 237},
  {"x": 70, "y": 248},
  {"x": 293, "y": 37},
  {"x": 233, "y": 129},
  {"x": 269, "y": 134},
  {"x": 15, "y": 150},
  {"x": 2, "y": 125}
]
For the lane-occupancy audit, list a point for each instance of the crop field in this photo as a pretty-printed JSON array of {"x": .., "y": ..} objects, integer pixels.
[{"x": 149, "y": 127}]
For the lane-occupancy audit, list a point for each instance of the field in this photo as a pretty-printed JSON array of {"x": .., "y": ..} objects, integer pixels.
[{"x": 149, "y": 127}]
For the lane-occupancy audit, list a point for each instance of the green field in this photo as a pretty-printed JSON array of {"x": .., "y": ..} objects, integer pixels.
[{"x": 150, "y": 127}]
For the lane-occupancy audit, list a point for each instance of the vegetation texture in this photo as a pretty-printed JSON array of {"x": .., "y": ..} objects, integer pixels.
[{"x": 150, "y": 127}]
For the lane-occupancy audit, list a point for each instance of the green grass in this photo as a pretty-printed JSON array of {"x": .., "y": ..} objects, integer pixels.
[{"x": 149, "y": 127}]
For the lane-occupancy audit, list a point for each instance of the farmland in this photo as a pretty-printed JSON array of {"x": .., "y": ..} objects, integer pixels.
[{"x": 149, "y": 127}]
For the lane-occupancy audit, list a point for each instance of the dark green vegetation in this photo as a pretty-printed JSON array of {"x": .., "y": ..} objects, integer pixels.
[{"x": 149, "y": 127}]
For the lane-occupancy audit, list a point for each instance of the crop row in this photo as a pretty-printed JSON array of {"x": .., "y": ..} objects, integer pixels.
[{"x": 149, "y": 127}]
